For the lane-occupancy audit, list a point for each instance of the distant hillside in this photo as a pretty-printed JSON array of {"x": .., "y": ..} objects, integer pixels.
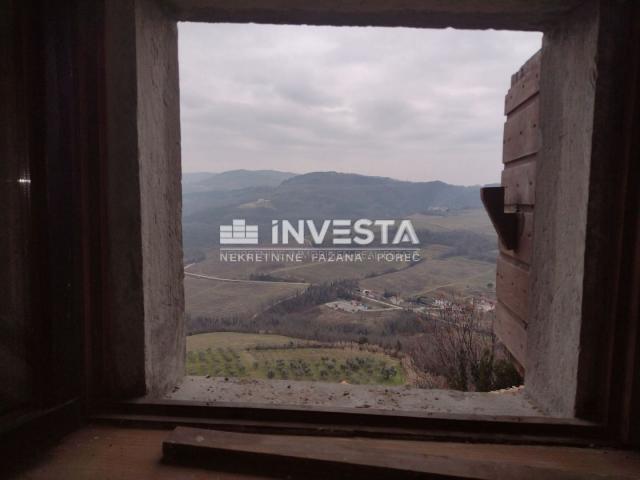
[
  {"x": 232, "y": 180},
  {"x": 336, "y": 178},
  {"x": 317, "y": 196}
]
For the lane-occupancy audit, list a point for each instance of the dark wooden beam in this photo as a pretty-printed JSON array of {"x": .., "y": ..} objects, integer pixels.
[{"x": 505, "y": 224}]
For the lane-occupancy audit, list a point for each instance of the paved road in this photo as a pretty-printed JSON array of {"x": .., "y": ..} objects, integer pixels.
[{"x": 240, "y": 280}]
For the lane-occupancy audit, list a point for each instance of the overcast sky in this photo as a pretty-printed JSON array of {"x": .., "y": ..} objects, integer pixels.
[{"x": 405, "y": 103}]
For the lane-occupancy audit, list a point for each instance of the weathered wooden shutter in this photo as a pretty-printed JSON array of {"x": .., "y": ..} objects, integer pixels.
[{"x": 521, "y": 144}]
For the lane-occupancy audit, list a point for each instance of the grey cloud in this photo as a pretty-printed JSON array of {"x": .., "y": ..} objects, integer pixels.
[
  {"x": 303, "y": 92},
  {"x": 408, "y": 103}
]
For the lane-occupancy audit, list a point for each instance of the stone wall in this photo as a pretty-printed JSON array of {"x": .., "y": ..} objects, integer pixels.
[{"x": 146, "y": 324}]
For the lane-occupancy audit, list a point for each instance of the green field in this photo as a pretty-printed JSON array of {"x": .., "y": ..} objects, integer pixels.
[
  {"x": 217, "y": 298},
  {"x": 278, "y": 357},
  {"x": 474, "y": 220},
  {"x": 454, "y": 274}
]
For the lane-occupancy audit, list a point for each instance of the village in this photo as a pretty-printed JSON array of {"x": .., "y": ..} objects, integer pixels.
[{"x": 371, "y": 301}]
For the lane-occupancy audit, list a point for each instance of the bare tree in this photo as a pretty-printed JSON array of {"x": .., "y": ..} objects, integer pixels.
[{"x": 462, "y": 347}]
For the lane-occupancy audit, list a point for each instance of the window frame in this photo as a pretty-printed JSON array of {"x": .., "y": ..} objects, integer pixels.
[{"x": 614, "y": 421}]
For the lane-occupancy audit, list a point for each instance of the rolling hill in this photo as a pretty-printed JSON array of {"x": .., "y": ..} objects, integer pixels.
[
  {"x": 232, "y": 180},
  {"x": 315, "y": 196}
]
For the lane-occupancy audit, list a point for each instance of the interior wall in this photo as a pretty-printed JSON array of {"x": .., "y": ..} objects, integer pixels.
[
  {"x": 15, "y": 322},
  {"x": 125, "y": 330},
  {"x": 611, "y": 179}
]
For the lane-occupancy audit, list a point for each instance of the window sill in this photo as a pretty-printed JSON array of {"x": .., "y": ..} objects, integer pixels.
[{"x": 512, "y": 402}]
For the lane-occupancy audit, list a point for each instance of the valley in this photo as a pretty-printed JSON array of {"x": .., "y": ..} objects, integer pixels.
[{"x": 317, "y": 318}]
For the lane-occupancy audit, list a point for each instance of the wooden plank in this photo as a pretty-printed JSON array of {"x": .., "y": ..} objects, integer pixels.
[
  {"x": 525, "y": 84},
  {"x": 512, "y": 332},
  {"x": 512, "y": 286},
  {"x": 315, "y": 457},
  {"x": 533, "y": 64},
  {"x": 524, "y": 250},
  {"x": 523, "y": 91},
  {"x": 522, "y": 133},
  {"x": 519, "y": 182}
]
